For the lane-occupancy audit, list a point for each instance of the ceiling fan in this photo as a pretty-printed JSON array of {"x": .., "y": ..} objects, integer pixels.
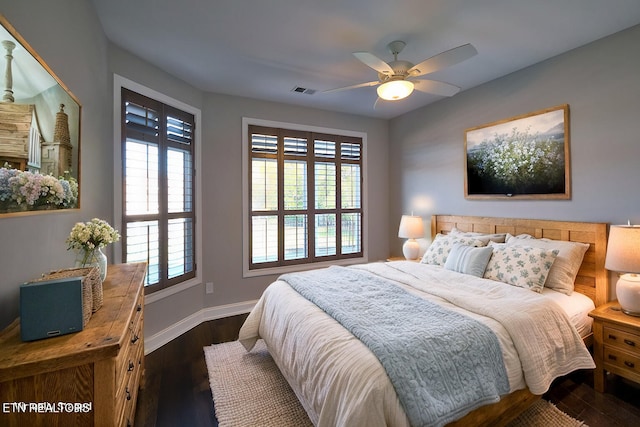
[{"x": 397, "y": 79}]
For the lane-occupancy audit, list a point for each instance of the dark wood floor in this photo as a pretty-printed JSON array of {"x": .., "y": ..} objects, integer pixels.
[{"x": 177, "y": 392}]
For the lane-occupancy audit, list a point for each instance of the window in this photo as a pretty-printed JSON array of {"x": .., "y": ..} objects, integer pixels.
[
  {"x": 158, "y": 209},
  {"x": 304, "y": 197}
]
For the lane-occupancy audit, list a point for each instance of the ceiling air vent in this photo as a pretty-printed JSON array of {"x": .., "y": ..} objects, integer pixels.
[{"x": 303, "y": 90}]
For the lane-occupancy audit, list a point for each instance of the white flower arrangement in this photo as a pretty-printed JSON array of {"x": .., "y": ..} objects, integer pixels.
[{"x": 87, "y": 237}]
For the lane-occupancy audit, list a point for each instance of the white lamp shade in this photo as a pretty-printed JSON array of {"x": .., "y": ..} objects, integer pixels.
[
  {"x": 395, "y": 89},
  {"x": 623, "y": 251},
  {"x": 623, "y": 255},
  {"x": 411, "y": 227}
]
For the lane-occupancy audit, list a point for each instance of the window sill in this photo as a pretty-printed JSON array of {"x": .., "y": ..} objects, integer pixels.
[
  {"x": 171, "y": 290},
  {"x": 301, "y": 267}
]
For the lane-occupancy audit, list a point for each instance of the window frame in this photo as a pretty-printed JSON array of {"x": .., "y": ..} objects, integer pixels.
[
  {"x": 120, "y": 83},
  {"x": 306, "y": 264}
]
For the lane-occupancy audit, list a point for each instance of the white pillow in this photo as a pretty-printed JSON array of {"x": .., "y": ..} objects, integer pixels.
[
  {"x": 439, "y": 249},
  {"x": 522, "y": 266},
  {"x": 565, "y": 268},
  {"x": 468, "y": 259},
  {"x": 486, "y": 238}
]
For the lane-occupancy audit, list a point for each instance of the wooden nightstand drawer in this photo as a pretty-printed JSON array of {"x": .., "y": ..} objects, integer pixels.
[
  {"x": 621, "y": 339},
  {"x": 627, "y": 362}
]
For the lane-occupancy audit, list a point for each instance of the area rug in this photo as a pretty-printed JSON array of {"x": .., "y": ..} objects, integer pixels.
[{"x": 248, "y": 390}]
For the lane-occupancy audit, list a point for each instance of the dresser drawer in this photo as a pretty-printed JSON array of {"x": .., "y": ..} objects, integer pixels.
[
  {"x": 132, "y": 340},
  {"x": 127, "y": 388},
  {"x": 130, "y": 395},
  {"x": 621, "y": 339}
]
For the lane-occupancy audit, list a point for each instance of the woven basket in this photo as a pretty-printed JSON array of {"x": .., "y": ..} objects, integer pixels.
[
  {"x": 96, "y": 283},
  {"x": 90, "y": 282}
]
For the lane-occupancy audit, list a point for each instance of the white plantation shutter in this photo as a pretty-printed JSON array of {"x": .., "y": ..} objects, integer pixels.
[
  {"x": 305, "y": 194},
  {"x": 158, "y": 176},
  {"x": 350, "y": 194}
]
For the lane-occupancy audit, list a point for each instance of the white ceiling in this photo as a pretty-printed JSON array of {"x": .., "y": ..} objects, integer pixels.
[{"x": 263, "y": 49}]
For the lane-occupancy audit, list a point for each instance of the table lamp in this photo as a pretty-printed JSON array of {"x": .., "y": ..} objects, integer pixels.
[
  {"x": 411, "y": 228},
  {"x": 623, "y": 256}
]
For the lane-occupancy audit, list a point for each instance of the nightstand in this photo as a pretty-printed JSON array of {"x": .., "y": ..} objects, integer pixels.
[
  {"x": 401, "y": 258},
  {"x": 616, "y": 347}
]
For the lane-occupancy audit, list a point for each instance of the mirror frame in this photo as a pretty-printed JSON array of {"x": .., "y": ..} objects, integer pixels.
[{"x": 66, "y": 180}]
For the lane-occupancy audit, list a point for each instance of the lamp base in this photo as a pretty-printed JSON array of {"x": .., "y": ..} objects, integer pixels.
[
  {"x": 411, "y": 249},
  {"x": 628, "y": 293}
]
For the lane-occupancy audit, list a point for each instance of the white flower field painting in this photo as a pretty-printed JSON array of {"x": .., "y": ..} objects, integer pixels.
[{"x": 522, "y": 157}]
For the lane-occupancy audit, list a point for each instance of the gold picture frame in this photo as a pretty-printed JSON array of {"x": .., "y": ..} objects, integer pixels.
[
  {"x": 523, "y": 157},
  {"x": 39, "y": 132}
]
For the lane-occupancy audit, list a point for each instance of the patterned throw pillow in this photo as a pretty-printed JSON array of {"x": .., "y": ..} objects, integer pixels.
[
  {"x": 567, "y": 264},
  {"x": 522, "y": 266},
  {"x": 439, "y": 249}
]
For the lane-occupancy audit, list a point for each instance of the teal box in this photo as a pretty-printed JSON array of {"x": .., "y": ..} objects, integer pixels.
[{"x": 50, "y": 308}]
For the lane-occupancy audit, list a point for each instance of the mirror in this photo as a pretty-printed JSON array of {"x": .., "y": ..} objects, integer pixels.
[{"x": 39, "y": 132}]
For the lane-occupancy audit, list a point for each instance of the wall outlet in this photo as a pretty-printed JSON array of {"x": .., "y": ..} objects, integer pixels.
[{"x": 209, "y": 288}]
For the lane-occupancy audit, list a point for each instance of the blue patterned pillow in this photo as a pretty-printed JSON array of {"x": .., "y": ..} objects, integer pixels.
[
  {"x": 522, "y": 266},
  {"x": 567, "y": 264}
]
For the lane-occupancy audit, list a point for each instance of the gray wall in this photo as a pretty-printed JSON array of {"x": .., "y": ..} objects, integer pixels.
[
  {"x": 600, "y": 83},
  {"x": 222, "y": 177},
  {"x": 222, "y": 200},
  {"x": 85, "y": 62},
  {"x": 63, "y": 33},
  {"x": 425, "y": 148}
]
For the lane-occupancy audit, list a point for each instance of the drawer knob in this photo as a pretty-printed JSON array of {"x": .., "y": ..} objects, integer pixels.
[
  {"x": 139, "y": 307},
  {"x": 612, "y": 357},
  {"x": 135, "y": 339},
  {"x": 612, "y": 337},
  {"x": 128, "y": 393},
  {"x": 629, "y": 342},
  {"x": 630, "y": 364},
  {"x": 131, "y": 365}
]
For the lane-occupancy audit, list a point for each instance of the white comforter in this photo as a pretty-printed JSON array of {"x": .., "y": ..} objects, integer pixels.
[{"x": 340, "y": 382}]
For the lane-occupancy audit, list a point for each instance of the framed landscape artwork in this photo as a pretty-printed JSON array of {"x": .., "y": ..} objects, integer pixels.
[
  {"x": 523, "y": 157},
  {"x": 39, "y": 133}
]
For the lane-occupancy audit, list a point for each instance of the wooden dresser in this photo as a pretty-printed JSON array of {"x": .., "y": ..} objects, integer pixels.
[{"x": 90, "y": 378}]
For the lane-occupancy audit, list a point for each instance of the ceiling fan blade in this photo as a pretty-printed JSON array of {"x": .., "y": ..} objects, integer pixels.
[
  {"x": 443, "y": 60},
  {"x": 374, "y": 62},
  {"x": 435, "y": 87},
  {"x": 367, "y": 84}
]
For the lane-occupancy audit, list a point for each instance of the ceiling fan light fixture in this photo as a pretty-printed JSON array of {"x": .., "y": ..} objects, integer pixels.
[{"x": 395, "y": 90}]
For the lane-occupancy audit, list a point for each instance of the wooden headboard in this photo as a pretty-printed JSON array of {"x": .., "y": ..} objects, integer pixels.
[{"x": 592, "y": 279}]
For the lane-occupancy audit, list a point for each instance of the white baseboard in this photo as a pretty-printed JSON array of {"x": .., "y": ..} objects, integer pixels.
[{"x": 159, "y": 339}]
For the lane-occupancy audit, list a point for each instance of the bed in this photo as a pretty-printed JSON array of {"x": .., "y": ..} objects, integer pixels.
[{"x": 340, "y": 381}]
